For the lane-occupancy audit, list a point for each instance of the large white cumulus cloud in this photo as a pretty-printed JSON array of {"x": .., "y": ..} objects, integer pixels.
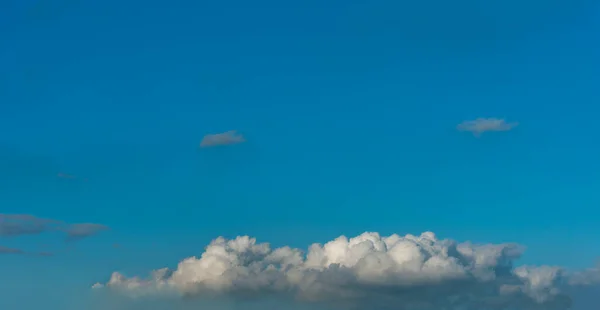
[{"x": 399, "y": 272}]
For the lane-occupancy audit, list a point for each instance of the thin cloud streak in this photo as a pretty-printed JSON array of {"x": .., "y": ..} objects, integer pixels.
[
  {"x": 24, "y": 224},
  {"x": 66, "y": 176},
  {"x": 480, "y": 125},
  {"x": 79, "y": 231},
  {"x": 14, "y": 251},
  {"x": 13, "y": 225},
  {"x": 225, "y": 138},
  {"x": 5, "y": 250},
  {"x": 61, "y": 175}
]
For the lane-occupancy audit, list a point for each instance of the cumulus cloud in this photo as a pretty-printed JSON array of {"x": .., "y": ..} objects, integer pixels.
[
  {"x": 225, "y": 138},
  {"x": 12, "y": 225},
  {"x": 368, "y": 271},
  {"x": 589, "y": 276},
  {"x": 481, "y": 125}
]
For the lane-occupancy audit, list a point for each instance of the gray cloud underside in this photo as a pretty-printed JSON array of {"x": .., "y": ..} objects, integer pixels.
[
  {"x": 368, "y": 271},
  {"x": 225, "y": 138}
]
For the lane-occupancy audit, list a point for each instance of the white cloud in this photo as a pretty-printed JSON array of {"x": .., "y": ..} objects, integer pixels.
[
  {"x": 97, "y": 285},
  {"x": 586, "y": 277},
  {"x": 481, "y": 125},
  {"x": 409, "y": 272}
]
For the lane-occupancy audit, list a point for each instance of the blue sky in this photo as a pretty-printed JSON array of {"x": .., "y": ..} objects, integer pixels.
[{"x": 349, "y": 110}]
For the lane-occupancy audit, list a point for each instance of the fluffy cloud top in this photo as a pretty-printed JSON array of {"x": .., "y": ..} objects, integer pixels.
[
  {"x": 370, "y": 271},
  {"x": 225, "y": 138},
  {"x": 481, "y": 125}
]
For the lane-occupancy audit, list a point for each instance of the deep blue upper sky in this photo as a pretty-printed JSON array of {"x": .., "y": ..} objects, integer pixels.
[{"x": 349, "y": 109}]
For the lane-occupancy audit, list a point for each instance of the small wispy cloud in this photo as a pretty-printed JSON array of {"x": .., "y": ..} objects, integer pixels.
[
  {"x": 5, "y": 250},
  {"x": 21, "y": 167},
  {"x": 225, "y": 138},
  {"x": 69, "y": 176},
  {"x": 79, "y": 231},
  {"x": 97, "y": 286},
  {"x": 13, "y": 225},
  {"x": 25, "y": 224},
  {"x": 66, "y": 176},
  {"x": 481, "y": 125}
]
